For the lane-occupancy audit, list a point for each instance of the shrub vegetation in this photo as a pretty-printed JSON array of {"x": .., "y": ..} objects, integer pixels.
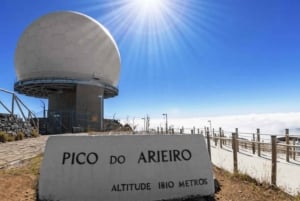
[{"x": 5, "y": 137}]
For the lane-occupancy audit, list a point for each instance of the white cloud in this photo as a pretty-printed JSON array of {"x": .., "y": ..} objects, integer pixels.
[{"x": 271, "y": 123}]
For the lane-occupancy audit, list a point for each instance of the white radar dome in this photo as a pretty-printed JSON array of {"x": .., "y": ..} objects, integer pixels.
[{"x": 67, "y": 45}]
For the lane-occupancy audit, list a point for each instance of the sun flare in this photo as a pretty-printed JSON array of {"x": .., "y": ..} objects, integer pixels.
[
  {"x": 151, "y": 34},
  {"x": 149, "y": 10},
  {"x": 148, "y": 6},
  {"x": 145, "y": 17}
]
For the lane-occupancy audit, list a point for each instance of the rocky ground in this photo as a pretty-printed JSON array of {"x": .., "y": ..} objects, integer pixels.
[{"x": 19, "y": 184}]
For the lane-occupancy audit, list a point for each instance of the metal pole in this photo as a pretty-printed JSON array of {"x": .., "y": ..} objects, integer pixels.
[
  {"x": 101, "y": 114},
  {"x": 13, "y": 104},
  {"x": 44, "y": 108},
  {"x": 166, "y": 115},
  {"x": 147, "y": 123},
  {"x": 209, "y": 121},
  {"x": 144, "y": 123},
  {"x": 167, "y": 123}
]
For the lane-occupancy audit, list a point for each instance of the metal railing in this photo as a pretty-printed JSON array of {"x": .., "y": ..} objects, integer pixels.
[{"x": 17, "y": 108}]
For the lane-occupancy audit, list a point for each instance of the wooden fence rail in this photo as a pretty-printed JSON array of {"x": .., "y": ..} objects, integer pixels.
[
  {"x": 237, "y": 141},
  {"x": 274, "y": 148}
]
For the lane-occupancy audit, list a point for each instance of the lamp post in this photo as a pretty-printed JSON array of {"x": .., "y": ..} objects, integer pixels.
[
  {"x": 166, "y": 115},
  {"x": 144, "y": 122},
  {"x": 44, "y": 108},
  {"x": 147, "y": 123},
  {"x": 101, "y": 115},
  {"x": 209, "y": 121}
]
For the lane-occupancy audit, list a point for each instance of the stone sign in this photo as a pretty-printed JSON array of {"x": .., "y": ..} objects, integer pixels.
[{"x": 152, "y": 167}]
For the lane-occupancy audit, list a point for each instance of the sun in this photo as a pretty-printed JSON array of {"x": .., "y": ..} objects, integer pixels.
[
  {"x": 149, "y": 6},
  {"x": 150, "y": 16},
  {"x": 143, "y": 17}
]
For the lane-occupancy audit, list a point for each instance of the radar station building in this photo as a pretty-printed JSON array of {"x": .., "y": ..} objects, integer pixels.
[{"x": 73, "y": 61}]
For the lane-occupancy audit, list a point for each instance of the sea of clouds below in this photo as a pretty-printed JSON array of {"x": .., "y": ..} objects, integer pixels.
[{"x": 271, "y": 123}]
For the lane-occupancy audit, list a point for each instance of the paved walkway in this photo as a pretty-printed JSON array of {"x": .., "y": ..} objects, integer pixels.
[
  {"x": 15, "y": 152},
  {"x": 12, "y": 153}
]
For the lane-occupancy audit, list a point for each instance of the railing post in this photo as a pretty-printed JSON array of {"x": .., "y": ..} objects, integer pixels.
[
  {"x": 232, "y": 143},
  {"x": 208, "y": 143},
  {"x": 215, "y": 137},
  {"x": 237, "y": 139},
  {"x": 253, "y": 144},
  {"x": 274, "y": 160},
  {"x": 287, "y": 141},
  {"x": 224, "y": 140},
  {"x": 234, "y": 151},
  {"x": 294, "y": 149},
  {"x": 258, "y": 141},
  {"x": 220, "y": 134},
  {"x": 13, "y": 104}
]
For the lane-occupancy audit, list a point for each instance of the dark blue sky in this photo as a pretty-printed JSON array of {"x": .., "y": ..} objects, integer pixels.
[{"x": 186, "y": 58}]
